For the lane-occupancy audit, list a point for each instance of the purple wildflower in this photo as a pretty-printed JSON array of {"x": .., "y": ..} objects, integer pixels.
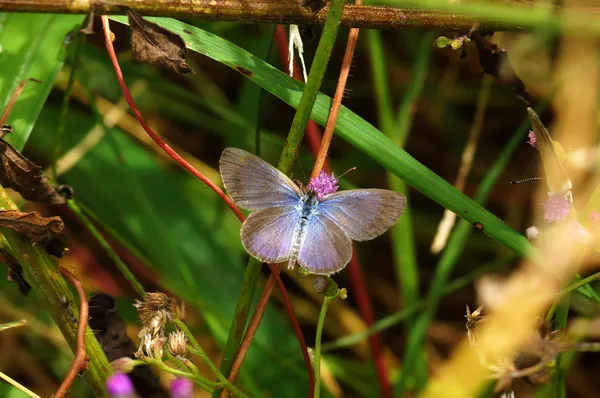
[
  {"x": 594, "y": 215},
  {"x": 182, "y": 387},
  {"x": 323, "y": 185},
  {"x": 556, "y": 208},
  {"x": 532, "y": 139},
  {"x": 119, "y": 385}
]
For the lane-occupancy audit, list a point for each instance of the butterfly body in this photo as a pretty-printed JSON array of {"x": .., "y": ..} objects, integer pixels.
[{"x": 295, "y": 225}]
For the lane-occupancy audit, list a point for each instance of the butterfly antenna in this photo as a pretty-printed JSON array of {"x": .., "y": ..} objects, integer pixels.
[
  {"x": 299, "y": 163},
  {"x": 527, "y": 180},
  {"x": 346, "y": 172}
]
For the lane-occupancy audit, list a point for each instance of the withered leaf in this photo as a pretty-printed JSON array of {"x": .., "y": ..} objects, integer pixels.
[
  {"x": 156, "y": 46},
  {"x": 111, "y": 331},
  {"x": 49, "y": 231},
  {"x": 15, "y": 272},
  {"x": 19, "y": 173},
  {"x": 494, "y": 61}
]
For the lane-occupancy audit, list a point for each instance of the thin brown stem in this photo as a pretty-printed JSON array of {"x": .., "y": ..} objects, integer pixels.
[
  {"x": 13, "y": 99},
  {"x": 337, "y": 102},
  {"x": 265, "y": 11},
  {"x": 80, "y": 362},
  {"x": 251, "y": 331}
]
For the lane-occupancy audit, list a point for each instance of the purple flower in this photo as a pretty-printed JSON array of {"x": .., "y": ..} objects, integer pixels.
[
  {"x": 532, "y": 139},
  {"x": 323, "y": 184},
  {"x": 119, "y": 385},
  {"x": 594, "y": 215},
  {"x": 556, "y": 208},
  {"x": 182, "y": 387}
]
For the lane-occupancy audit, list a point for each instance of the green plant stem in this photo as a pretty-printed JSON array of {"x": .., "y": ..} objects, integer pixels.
[
  {"x": 293, "y": 141},
  {"x": 317, "y": 352},
  {"x": 200, "y": 352},
  {"x": 41, "y": 272},
  {"x": 240, "y": 316},
  {"x": 60, "y": 131},
  {"x": 315, "y": 78},
  {"x": 137, "y": 286},
  {"x": 202, "y": 381}
]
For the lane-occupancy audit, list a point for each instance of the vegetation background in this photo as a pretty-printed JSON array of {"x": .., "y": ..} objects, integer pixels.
[{"x": 177, "y": 236}]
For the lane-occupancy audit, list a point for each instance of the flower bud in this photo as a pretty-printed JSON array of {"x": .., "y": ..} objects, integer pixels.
[
  {"x": 182, "y": 387},
  {"x": 122, "y": 365},
  {"x": 325, "y": 286},
  {"x": 119, "y": 385}
]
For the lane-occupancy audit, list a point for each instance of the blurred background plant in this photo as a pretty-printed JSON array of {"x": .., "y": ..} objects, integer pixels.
[{"x": 456, "y": 101}]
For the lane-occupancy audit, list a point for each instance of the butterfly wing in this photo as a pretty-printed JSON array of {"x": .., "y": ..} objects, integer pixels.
[
  {"x": 268, "y": 234},
  {"x": 325, "y": 249},
  {"x": 363, "y": 214},
  {"x": 556, "y": 174},
  {"x": 254, "y": 184}
]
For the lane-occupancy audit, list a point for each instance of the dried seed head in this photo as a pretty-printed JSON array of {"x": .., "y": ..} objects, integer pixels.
[
  {"x": 473, "y": 318},
  {"x": 177, "y": 341},
  {"x": 154, "y": 312}
]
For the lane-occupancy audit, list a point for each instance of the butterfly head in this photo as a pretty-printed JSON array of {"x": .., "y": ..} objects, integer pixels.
[{"x": 323, "y": 184}]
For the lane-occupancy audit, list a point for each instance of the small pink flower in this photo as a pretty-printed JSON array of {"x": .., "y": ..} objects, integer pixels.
[
  {"x": 556, "y": 208},
  {"x": 323, "y": 185},
  {"x": 532, "y": 139},
  {"x": 182, "y": 387},
  {"x": 119, "y": 385},
  {"x": 594, "y": 216}
]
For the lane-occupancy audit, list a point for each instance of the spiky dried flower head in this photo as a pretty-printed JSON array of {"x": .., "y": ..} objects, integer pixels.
[
  {"x": 177, "y": 342},
  {"x": 154, "y": 312},
  {"x": 473, "y": 319},
  {"x": 556, "y": 208},
  {"x": 323, "y": 184}
]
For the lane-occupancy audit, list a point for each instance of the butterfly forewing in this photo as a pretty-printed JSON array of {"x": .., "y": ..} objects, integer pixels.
[
  {"x": 268, "y": 234},
  {"x": 556, "y": 174},
  {"x": 254, "y": 184},
  {"x": 363, "y": 214},
  {"x": 326, "y": 249}
]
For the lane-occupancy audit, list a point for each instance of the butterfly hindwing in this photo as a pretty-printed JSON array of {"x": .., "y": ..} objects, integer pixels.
[
  {"x": 326, "y": 249},
  {"x": 267, "y": 234},
  {"x": 363, "y": 214},
  {"x": 254, "y": 184}
]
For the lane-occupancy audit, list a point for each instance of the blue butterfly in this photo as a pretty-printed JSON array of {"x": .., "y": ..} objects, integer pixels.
[{"x": 294, "y": 224}]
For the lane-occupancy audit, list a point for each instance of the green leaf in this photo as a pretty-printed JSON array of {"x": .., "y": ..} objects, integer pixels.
[{"x": 32, "y": 47}]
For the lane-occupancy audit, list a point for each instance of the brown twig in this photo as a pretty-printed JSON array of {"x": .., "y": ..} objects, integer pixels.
[
  {"x": 267, "y": 11},
  {"x": 80, "y": 362},
  {"x": 274, "y": 268},
  {"x": 13, "y": 99}
]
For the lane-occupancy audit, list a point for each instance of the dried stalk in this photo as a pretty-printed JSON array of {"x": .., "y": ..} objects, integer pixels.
[{"x": 265, "y": 11}]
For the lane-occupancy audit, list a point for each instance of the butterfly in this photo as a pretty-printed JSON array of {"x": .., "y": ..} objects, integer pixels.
[
  {"x": 292, "y": 223},
  {"x": 553, "y": 157}
]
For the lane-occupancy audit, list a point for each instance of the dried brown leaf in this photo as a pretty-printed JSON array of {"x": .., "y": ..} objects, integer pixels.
[
  {"x": 494, "y": 61},
  {"x": 156, "y": 46},
  {"x": 15, "y": 272},
  {"x": 19, "y": 173},
  {"x": 49, "y": 231}
]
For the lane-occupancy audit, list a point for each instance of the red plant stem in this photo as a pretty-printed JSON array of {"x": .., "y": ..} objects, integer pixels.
[
  {"x": 163, "y": 145},
  {"x": 266, "y": 294},
  {"x": 13, "y": 99},
  {"x": 319, "y": 149},
  {"x": 80, "y": 362}
]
